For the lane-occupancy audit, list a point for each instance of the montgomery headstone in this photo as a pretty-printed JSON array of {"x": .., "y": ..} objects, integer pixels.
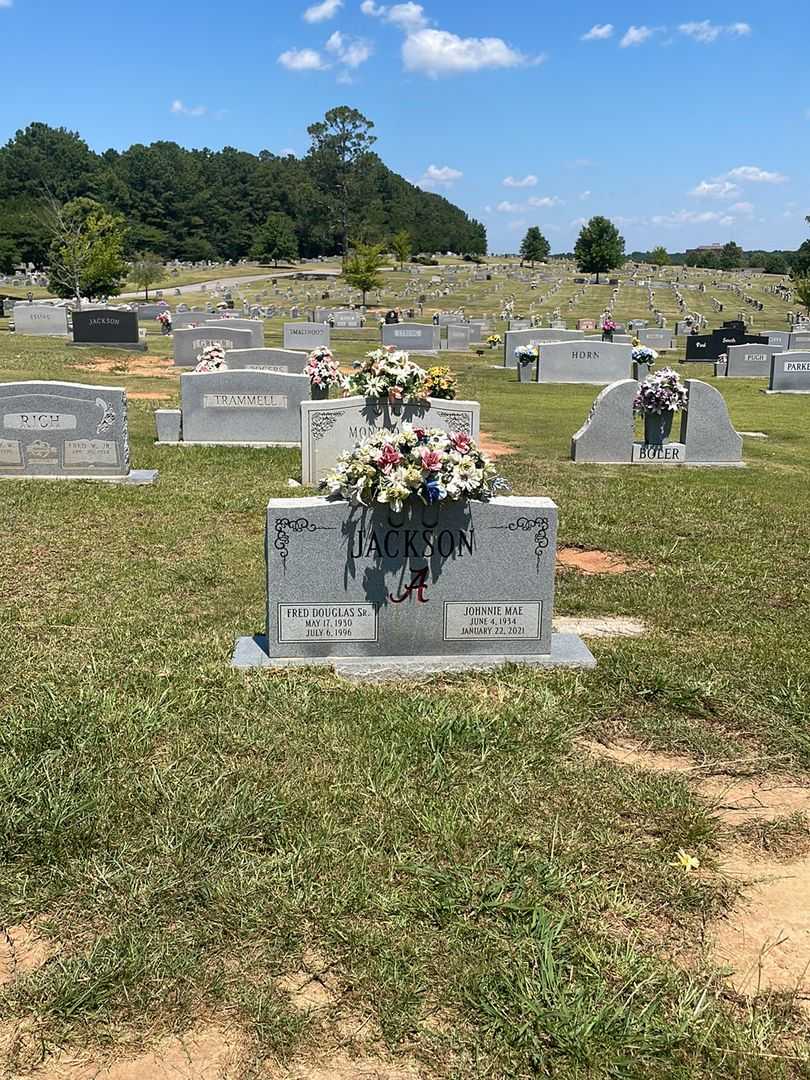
[
  {"x": 287, "y": 361},
  {"x": 40, "y": 320},
  {"x": 59, "y": 430},
  {"x": 790, "y": 373},
  {"x": 413, "y": 337},
  {"x": 330, "y": 427},
  {"x": 189, "y": 343},
  {"x": 107, "y": 326},
  {"x": 380, "y": 595},
  {"x": 306, "y": 336},
  {"x": 236, "y": 408}
]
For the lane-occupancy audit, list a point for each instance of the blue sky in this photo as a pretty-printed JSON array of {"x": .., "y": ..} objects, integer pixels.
[{"x": 683, "y": 128}]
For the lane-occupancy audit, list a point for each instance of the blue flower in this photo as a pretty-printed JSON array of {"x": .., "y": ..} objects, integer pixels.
[{"x": 433, "y": 490}]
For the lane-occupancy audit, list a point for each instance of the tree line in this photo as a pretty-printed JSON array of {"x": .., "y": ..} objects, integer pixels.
[{"x": 226, "y": 204}]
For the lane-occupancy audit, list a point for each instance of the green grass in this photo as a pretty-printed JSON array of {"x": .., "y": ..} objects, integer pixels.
[{"x": 188, "y": 832}]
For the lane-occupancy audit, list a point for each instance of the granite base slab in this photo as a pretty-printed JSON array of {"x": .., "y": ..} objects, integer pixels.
[
  {"x": 567, "y": 650},
  {"x": 134, "y": 478},
  {"x": 797, "y": 392},
  {"x": 128, "y": 346},
  {"x": 244, "y": 445}
]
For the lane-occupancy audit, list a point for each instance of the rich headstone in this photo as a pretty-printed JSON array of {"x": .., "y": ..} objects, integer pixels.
[
  {"x": 40, "y": 320},
  {"x": 330, "y": 427},
  {"x": 590, "y": 361},
  {"x": 750, "y": 361},
  {"x": 287, "y": 361},
  {"x": 706, "y": 433},
  {"x": 58, "y": 430},
  {"x": 236, "y": 408},
  {"x": 790, "y": 373},
  {"x": 413, "y": 337},
  {"x": 305, "y": 336},
  {"x": 189, "y": 343},
  {"x": 381, "y": 595},
  {"x": 536, "y": 336},
  {"x": 107, "y": 326}
]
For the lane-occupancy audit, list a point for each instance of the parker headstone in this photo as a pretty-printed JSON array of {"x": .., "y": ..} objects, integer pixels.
[
  {"x": 287, "y": 361},
  {"x": 413, "y": 337},
  {"x": 590, "y": 361},
  {"x": 40, "y": 320},
  {"x": 330, "y": 427},
  {"x": 188, "y": 344},
  {"x": 236, "y": 408},
  {"x": 57, "y": 430},
  {"x": 380, "y": 595},
  {"x": 790, "y": 373},
  {"x": 305, "y": 336},
  {"x": 107, "y": 326}
]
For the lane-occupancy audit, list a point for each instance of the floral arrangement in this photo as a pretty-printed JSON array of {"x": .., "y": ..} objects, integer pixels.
[
  {"x": 390, "y": 467},
  {"x": 440, "y": 383},
  {"x": 644, "y": 355},
  {"x": 494, "y": 340},
  {"x": 388, "y": 372},
  {"x": 164, "y": 318},
  {"x": 660, "y": 393},
  {"x": 608, "y": 325},
  {"x": 525, "y": 354},
  {"x": 323, "y": 369},
  {"x": 212, "y": 358}
]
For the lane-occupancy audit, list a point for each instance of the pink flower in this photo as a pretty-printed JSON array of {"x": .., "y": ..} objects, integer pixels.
[
  {"x": 461, "y": 441},
  {"x": 395, "y": 393},
  {"x": 389, "y": 457},
  {"x": 431, "y": 460}
]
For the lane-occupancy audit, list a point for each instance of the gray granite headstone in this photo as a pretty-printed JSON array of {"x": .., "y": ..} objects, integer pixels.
[
  {"x": 305, "y": 336},
  {"x": 535, "y": 336},
  {"x": 181, "y": 320},
  {"x": 330, "y": 427},
  {"x": 799, "y": 340},
  {"x": 590, "y": 361},
  {"x": 287, "y": 361},
  {"x": 519, "y": 324},
  {"x": 346, "y": 320},
  {"x": 707, "y": 431},
  {"x": 382, "y": 595},
  {"x": 458, "y": 338},
  {"x": 241, "y": 407},
  {"x": 790, "y": 373},
  {"x": 607, "y": 434},
  {"x": 750, "y": 361},
  {"x": 413, "y": 337},
  {"x": 254, "y": 326},
  {"x": 188, "y": 344},
  {"x": 40, "y": 320},
  {"x": 56, "y": 430},
  {"x": 655, "y": 338},
  {"x": 778, "y": 337}
]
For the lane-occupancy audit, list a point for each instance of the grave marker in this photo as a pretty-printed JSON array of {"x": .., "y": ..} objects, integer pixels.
[
  {"x": 305, "y": 336},
  {"x": 40, "y": 320}
]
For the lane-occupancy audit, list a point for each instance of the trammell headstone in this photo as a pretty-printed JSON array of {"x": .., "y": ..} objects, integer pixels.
[
  {"x": 58, "y": 430},
  {"x": 188, "y": 344},
  {"x": 790, "y": 373},
  {"x": 236, "y": 408},
  {"x": 305, "y": 336},
  {"x": 287, "y": 361},
  {"x": 413, "y": 337},
  {"x": 381, "y": 595},
  {"x": 40, "y": 320},
  {"x": 330, "y": 427},
  {"x": 107, "y": 326}
]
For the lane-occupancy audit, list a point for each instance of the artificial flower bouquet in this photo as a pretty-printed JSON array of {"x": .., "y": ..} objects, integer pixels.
[
  {"x": 644, "y": 355},
  {"x": 388, "y": 373},
  {"x": 440, "y": 382},
  {"x": 323, "y": 370},
  {"x": 526, "y": 354},
  {"x": 212, "y": 358},
  {"x": 661, "y": 392}
]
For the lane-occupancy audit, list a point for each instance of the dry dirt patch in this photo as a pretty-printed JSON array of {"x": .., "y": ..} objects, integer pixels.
[
  {"x": 23, "y": 950},
  {"x": 596, "y": 562},
  {"x": 158, "y": 367},
  {"x": 339, "y": 1066},
  {"x": 490, "y": 445}
]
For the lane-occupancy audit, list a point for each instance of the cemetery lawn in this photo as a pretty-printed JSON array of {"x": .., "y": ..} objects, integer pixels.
[{"x": 449, "y": 878}]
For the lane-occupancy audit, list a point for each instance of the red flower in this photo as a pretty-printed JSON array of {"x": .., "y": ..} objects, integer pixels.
[
  {"x": 389, "y": 457},
  {"x": 431, "y": 460},
  {"x": 461, "y": 441}
]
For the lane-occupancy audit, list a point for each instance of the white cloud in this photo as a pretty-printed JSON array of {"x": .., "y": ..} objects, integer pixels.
[
  {"x": 521, "y": 223},
  {"x": 409, "y": 16},
  {"x": 715, "y": 189},
  {"x": 5, "y": 3},
  {"x": 584, "y": 195},
  {"x": 693, "y": 217},
  {"x": 438, "y": 52},
  {"x": 577, "y": 223},
  {"x": 507, "y": 207},
  {"x": 327, "y": 9},
  {"x": 706, "y": 33},
  {"x": 599, "y": 33},
  {"x": 368, "y": 7},
  {"x": 526, "y": 181},
  {"x": 754, "y": 175},
  {"x": 439, "y": 176},
  {"x": 742, "y": 208},
  {"x": 350, "y": 51},
  {"x": 544, "y": 200},
  {"x": 636, "y": 35},
  {"x": 302, "y": 60},
  {"x": 178, "y": 107}
]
